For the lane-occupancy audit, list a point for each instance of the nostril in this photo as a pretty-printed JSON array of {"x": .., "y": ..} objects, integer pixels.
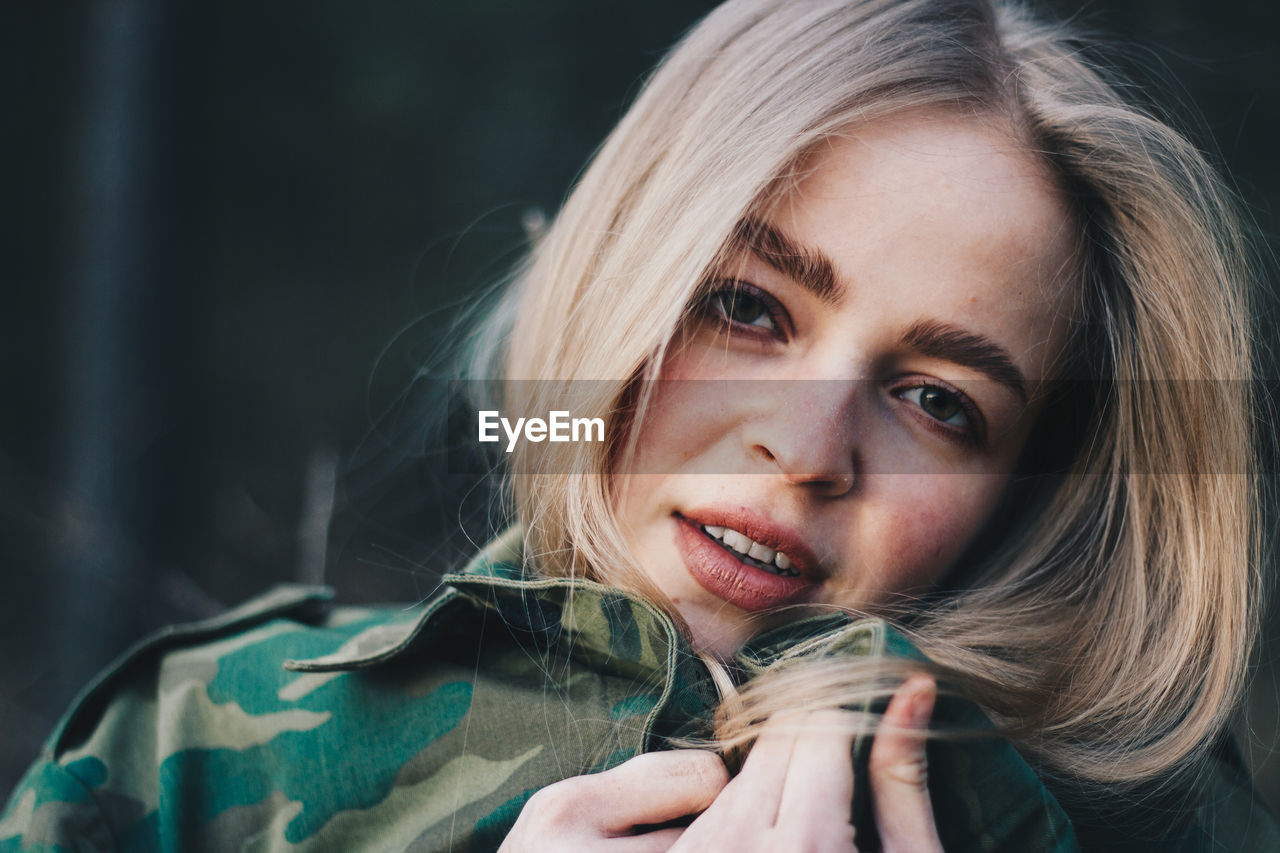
[{"x": 842, "y": 483}]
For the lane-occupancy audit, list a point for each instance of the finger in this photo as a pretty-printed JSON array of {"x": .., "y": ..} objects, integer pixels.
[
  {"x": 752, "y": 798},
  {"x": 657, "y": 787},
  {"x": 658, "y": 841},
  {"x": 899, "y": 771},
  {"x": 819, "y": 785}
]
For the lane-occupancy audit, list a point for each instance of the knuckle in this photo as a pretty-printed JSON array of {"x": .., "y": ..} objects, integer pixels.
[
  {"x": 700, "y": 766},
  {"x": 908, "y": 772},
  {"x": 706, "y": 768},
  {"x": 554, "y": 804}
]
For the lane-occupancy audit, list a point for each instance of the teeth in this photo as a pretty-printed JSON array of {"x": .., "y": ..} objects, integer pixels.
[
  {"x": 769, "y": 559},
  {"x": 737, "y": 541}
]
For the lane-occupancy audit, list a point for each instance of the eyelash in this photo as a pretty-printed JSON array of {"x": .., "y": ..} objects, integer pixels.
[
  {"x": 730, "y": 291},
  {"x": 972, "y": 432},
  {"x": 974, "y": 429}
]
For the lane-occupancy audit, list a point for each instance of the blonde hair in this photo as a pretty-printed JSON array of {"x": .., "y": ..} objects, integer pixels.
[{"x": 1107, "y": 635}]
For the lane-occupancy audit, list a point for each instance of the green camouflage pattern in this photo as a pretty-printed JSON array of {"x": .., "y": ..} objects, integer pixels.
[{"x": 291, "y": 724}]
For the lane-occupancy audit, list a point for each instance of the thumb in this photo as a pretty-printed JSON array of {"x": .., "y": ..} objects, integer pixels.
[{"x": 899, "y": 770}]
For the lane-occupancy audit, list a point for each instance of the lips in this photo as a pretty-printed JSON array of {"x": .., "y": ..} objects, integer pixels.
[{"x": 743, "y": 582}]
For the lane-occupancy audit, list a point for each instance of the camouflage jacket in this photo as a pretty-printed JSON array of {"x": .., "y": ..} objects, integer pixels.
[{"x": 289, "y": 724}]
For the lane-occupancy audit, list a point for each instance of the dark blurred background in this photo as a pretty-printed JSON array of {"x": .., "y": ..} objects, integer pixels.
[{"x": 233, "y": 233}]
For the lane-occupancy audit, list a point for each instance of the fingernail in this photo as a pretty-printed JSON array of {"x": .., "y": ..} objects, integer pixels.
[{"x": 922, "y": 708}]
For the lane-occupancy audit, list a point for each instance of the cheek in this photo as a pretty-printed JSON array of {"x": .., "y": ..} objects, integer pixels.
[
  {"x": 921, "y": 525},
  {"x": 681, "y": 433},
  {"x": 676, "y": 428},
  {"x": 688, "y": 424}
]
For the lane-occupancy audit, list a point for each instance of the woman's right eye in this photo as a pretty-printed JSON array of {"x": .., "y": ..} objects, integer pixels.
[{"x": 738, "y": 304}]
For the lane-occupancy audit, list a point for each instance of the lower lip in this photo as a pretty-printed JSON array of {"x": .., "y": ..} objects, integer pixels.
[{"x": 728, "y": 578}]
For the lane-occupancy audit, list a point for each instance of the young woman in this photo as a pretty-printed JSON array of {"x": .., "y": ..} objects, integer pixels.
[{"x": 923, "y": 360}]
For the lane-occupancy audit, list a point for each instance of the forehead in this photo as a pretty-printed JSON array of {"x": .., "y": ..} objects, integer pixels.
[
  {"x": 930, "y": 214},
  {"x": 957, "y": 158}
]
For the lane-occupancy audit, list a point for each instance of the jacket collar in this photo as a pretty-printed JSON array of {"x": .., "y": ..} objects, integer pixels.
[
  {"x": 501, "y": 558},
  {"x": 602, "y": 624}
]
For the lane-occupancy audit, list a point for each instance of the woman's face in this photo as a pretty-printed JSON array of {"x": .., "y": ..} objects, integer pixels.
[{"x": 842, "y": 410}]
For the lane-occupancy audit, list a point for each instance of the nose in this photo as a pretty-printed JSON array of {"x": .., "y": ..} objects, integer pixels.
[{"x": 808, "y": 433}]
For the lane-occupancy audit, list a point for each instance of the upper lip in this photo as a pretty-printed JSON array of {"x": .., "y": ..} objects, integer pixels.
[{"x": 767, "y": 532}]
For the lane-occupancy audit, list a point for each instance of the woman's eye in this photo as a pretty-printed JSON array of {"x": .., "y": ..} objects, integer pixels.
[
  {"x": 939, "y": 404},
  {"x": 741, "y": 308},
  {"x": 738, "y": 306}
]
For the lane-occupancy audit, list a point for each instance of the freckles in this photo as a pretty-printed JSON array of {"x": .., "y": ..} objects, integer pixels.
[
  {"x": 678, "y": 424},
  {"x": 926, "y": 531},
  {"x": 924, "y": 553},
  {"x": 928, "y": 537}
]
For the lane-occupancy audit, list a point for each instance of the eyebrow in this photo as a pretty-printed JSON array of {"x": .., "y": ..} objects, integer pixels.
[
  {"x": 814, "y": 271},
  {"x": 809, "y": 268},
  {"x": 942, "y": 340}
]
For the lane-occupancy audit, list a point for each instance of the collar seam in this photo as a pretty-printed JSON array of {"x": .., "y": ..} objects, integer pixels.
[{"x": 360, "y": 662}]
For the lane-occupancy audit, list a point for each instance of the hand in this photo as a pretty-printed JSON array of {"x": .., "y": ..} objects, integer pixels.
[
  {"x": 600, "y": 811},
  {"x": 795, "y": 789},
  {"x": 899, "y": 772}
]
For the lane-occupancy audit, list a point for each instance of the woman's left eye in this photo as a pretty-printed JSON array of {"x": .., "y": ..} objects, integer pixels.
[
  {"x": 739, "y": 304},
  {"x": 943, "y": 405}
]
